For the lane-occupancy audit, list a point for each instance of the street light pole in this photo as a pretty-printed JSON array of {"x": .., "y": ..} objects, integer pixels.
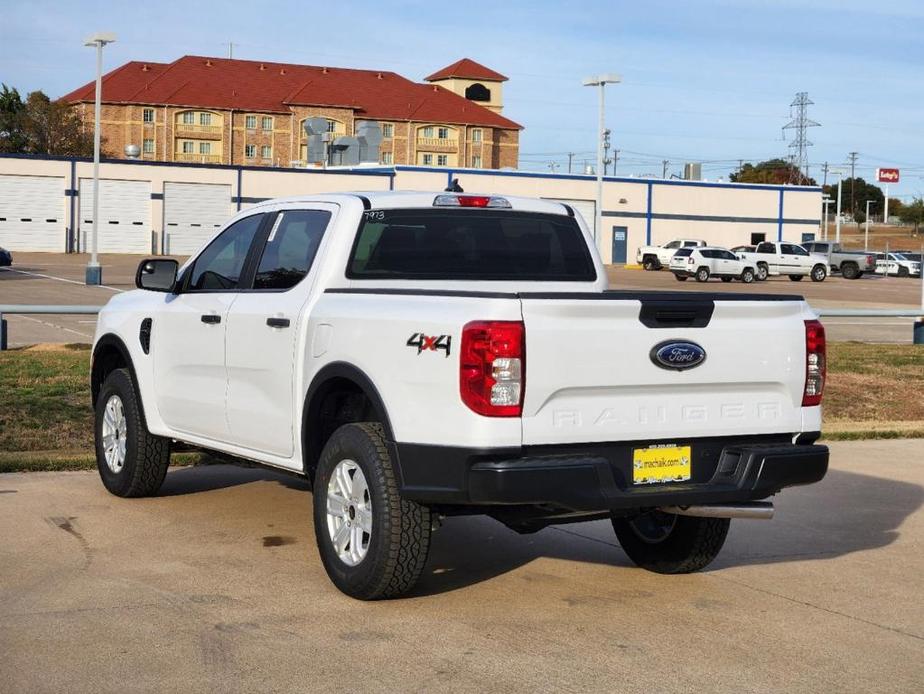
[
  {"x": 600, "y": 81},
  {"x": 94, "y": 273},
  {"x": 824, "y": 204},
  {"x": 837, "y": 220},
  {"x": 866, "y": 234}
]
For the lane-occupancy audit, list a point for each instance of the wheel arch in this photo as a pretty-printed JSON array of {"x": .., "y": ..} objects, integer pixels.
[
  {"x": 340, "y": 393},
  {"x": 109, "y": 353}
]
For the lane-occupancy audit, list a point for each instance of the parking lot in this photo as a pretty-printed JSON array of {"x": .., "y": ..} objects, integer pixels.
[
  {"x": 216, "y": 585},
  {"x": 46, "y": 278}
]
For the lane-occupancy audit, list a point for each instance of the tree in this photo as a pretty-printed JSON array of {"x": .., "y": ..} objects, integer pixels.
[
  {"x": 11, "y": 108},
  {"x": 53, "y": 127},
  {"x": 913, "y": 213},
  {"x": 863, "y": 191},
  {"x": 777, "y": 171}
]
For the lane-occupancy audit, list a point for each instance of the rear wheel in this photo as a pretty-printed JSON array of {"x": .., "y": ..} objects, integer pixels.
[
  {"x": 373, "y": 543},
  {"x": 747, "y": 275},
  {"x": 702, "y": 274},
  {"x": 819, "y": 272},
  {"x": 796, "y": 278},
  {"x": 670, "y": 544},
  {"x": 726, "y": 279},
  {"x": 649, "y": 262},
  {"x": 762, "y": 272},
  {"x": 680, "y": 278},
  {"x": 131, "y": 461},
  {"x": 850, "y": 271}
]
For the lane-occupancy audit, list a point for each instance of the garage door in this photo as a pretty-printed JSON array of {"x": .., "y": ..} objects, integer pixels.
[
  {"x": 32, "y": 210},
  {"x": 586, "y": 208},
  {"x": 193, "y": 213},
  {"x": 124, "y": 214}
]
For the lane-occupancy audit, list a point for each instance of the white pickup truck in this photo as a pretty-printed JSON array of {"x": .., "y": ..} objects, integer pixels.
[
  {"x": 419, "y": 355},
  {"x": 656, "y": 257},
  {"x": 782, "y": 258}
]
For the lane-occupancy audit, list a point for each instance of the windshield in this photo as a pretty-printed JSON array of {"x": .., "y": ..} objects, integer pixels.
[{"x": 459, "y": 244}]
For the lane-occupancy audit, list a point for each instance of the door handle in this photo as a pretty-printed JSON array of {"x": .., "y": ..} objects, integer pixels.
[
  {"x": 210, "y": 318},
  {"x": 277, "y": 322}
]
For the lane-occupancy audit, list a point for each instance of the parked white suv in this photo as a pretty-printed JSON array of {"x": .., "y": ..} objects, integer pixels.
[
  {"x": 703, "y": 263},
  {"x": 377, "y": 344},
  {"x": 656, "y": 257},
  {"x": 782, "y": 258}
]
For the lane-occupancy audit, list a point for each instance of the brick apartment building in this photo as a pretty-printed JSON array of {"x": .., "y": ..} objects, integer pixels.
[{"x": 226, "y": 111}]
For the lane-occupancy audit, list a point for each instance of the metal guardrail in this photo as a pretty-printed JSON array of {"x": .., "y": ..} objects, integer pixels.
[{"x": 52, "y": 309}]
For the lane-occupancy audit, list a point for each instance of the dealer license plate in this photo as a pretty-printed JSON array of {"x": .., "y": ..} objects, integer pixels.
[{"x": 659, "y": 464}]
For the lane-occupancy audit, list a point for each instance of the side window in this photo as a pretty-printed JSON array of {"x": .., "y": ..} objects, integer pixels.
[
  {"x": 728, "y": 255},
  {"x": 673, "y": 244},
  {"x": 787, "y": 249},
  {"x": 219, "y": 266},
  {"x": 799, "y": 250},
  {"x": 707, "y": 253},
  {"x": 290, "y": 248},
  {"x": 692, "y": 244},
  {"x": 765, "y": 248}
]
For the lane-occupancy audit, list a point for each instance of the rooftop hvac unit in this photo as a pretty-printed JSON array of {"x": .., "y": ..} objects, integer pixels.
[{"x": 693, "y": 171}]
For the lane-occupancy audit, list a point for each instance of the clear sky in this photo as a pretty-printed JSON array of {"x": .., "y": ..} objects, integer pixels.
[{"x": 704, "y": 80}]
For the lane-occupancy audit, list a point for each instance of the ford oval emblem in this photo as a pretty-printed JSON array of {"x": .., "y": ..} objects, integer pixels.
[{"x": 677, "y": 355}]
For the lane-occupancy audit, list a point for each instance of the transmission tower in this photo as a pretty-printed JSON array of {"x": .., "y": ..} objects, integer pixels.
[{"x": 800, "y": 122}]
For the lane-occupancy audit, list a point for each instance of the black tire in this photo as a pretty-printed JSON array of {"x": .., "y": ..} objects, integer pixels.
[
  {"x": 146, "y": 456},
  {"x": 796, "y": 278},
  {"x": 903, "y": 271},
  {"x": 727, "y": 279},
  {"x": 747, "y": 275},
  {"x": 669, "y": 544},
  {"x": 680, "y": 278},
  {"x": 650, "y": 262},
  {"x": 400, "y": 537},
  {"x": 702, "y": 275},
  {"x": 850, "y": 271},
  {"x": 819, "y": 273},
  {"x": 762, "y": 272}
]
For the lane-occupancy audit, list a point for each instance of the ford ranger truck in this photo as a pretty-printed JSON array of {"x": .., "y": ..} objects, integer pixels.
[{"x": 423, "y": 355}]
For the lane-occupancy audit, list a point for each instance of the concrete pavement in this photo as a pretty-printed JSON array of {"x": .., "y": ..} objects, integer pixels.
[{"x": 216, "y": 585}]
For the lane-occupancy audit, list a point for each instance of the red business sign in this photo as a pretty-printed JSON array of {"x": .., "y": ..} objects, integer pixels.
[{"x": 887, "y": 175}]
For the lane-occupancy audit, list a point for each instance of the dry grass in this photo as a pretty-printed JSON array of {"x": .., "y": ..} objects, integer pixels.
[
  {"x": 901, "y": 238},
  {"x": 46, "y": 423}
]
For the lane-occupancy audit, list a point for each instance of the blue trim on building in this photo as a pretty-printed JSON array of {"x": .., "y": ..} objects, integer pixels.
[
  {"x": 779, "y": 230},
  {"x": 705, "y": 218},
  {"x": 648, "y": 214}
]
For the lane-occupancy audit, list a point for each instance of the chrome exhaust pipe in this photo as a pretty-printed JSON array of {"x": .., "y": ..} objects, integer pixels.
[{"x": 755, "y": 509}]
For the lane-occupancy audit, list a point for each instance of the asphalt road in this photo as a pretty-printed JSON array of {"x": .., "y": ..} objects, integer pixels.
[
  {"x": 216, "y": 585},
  {"x": 48, "y": 278}
]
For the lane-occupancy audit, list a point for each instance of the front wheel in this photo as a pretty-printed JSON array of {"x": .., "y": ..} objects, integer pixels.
[
  {"x": 747, "y": 275},
  {"x": 651, "y": 263},
  {"x": 131, "y": 461},
  {"x": 670, "y": 544},
  {"x": 726, "y": 279},
  {"x": 819, "y": 273},
  {"x": 680, "y": 278},
  {"x": 903, "y": 271},
  {"x": 373, "y": 543},
  {"x": 702, "y": 275},
  {"x": 796, "y": 278}
]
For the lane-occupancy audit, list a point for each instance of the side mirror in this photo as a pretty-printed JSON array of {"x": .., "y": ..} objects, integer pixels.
[{"x": 157, "y": 274}]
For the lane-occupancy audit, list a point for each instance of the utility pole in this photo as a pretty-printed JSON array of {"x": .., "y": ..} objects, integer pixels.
[
  {"x": 852, "y": 158},
  {"x": 570, "y": 157},
  {"x": 230, "y": 50},
  {"x": 825, "y": 169},
  {"x": 606, "y": 150},
  {"x": 664, "y": 164},
  {"x": 798, "y": 148}
]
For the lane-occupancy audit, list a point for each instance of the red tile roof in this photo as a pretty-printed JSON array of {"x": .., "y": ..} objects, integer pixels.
[
  {"x": 467, "y": 69},
  {"x": 246, "y": 85}
]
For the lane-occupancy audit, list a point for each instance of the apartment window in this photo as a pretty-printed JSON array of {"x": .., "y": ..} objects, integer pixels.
[
  {"x": 250, "y": 151},
  {"x": 428, "y": 131},
  {"x": 331, "y": 126},
  {"x": 205, "y": 119},
  {"x": 428, "y": 160},
  {"x": 388, "y": 129},
  {"x": 188, "y": 147},
  {"x": 147, "y": 146},
  {"x": 476, "y": 161},
  {"x": 387, "y": 158},
  {"x": 189, "y": 118},
  {"x": 476, "y": 134},
  {"x": 442, "y": 160},
  {"x": 205, "y": 148},
  {"x": 147, "y": 115},
  {"x": 250, "y": 122},
  {"x": 443, "y": 133},
  {"x": 266, "y": 152},
  {"x": 266, "y": 122}
]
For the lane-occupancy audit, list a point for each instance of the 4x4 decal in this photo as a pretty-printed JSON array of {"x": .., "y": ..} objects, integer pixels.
[{"x": 430, "y": 343}]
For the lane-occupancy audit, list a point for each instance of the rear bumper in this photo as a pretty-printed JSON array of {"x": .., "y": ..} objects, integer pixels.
[{"x": 598, "y": 477}]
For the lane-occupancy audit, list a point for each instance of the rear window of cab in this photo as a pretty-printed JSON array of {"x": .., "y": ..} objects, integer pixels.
[{"x": 464, "y": 244}]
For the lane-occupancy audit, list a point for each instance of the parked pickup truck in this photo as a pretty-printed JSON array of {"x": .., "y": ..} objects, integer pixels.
[
  {"x": 851, "y": 264},
  {"x": 656, "y": 257},
  {"x": 421, "y": 355},
  {"x": 781, "y": 258}
]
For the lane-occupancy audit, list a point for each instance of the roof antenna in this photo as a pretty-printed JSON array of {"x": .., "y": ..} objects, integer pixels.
[{"x": 454, "y": 186}]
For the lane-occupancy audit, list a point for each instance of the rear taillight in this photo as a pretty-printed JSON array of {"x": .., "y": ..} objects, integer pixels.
[
  {"x": 492, "y": 367},
  {"x": 690, "y": 260},
  {"x": 815, "y": 363}
]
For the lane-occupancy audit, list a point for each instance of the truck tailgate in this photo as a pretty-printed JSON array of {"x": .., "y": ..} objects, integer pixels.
[{"x": 590, "y": 374}]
